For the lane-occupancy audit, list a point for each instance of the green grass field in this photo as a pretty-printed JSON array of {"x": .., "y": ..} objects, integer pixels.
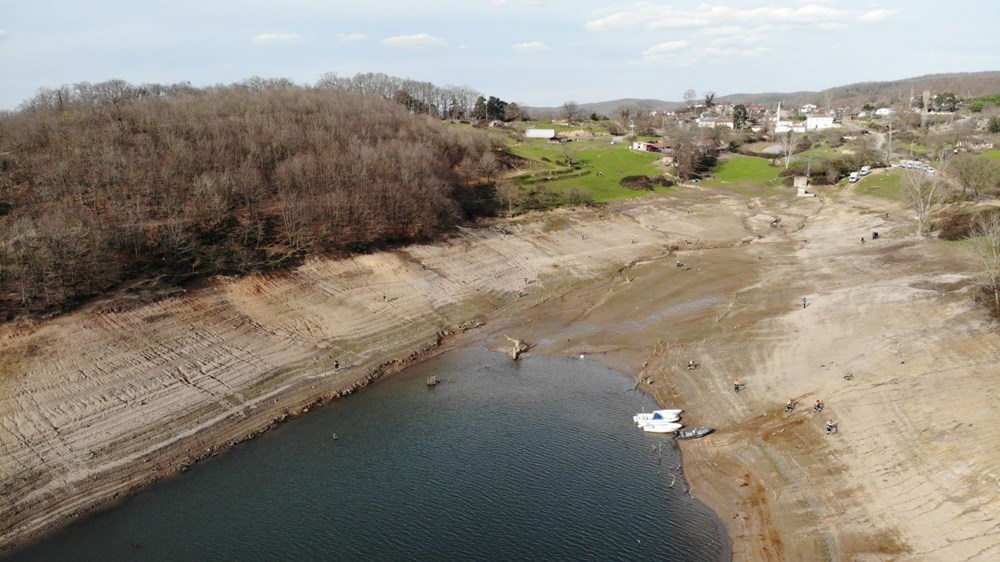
[
  {"x": 596, "y": 127},
  {"x": 886, "y": 185},
  {"x": 601, "y": 167},
  {"x": 994, "y": 154},
  {"x": 746, "y": 175}
]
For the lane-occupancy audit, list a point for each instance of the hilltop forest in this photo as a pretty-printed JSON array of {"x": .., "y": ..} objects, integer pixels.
[{"x": 151, "y": 191}]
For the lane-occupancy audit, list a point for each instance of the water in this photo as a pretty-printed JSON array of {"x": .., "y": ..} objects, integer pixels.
[{"x": 536, "y": 460}]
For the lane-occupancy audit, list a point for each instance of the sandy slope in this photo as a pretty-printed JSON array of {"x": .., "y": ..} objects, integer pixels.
[{"x": 93, "y": 405}]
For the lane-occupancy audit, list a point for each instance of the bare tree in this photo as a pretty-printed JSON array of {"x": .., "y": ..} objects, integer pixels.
[
  {"x": 924, "y": 193},
  {"x": 689, "y": 96},
  {"x": 570, "y": 111},
  {"x": 984, "y": 246},
  {"x": 975, "y": 173},
  {"x": 789, "y": 140}
]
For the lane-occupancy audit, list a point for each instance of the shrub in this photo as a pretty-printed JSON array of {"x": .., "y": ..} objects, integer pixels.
[
  {"x": 639, "y": 183},
  {"x": 956, "y": 226},
  {"x": 577, "y": 196}
]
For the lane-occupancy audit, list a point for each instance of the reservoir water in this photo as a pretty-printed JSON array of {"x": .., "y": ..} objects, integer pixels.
[{"x": 534, "y": 460}]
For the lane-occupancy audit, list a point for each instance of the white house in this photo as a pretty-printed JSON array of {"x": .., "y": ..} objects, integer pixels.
[
  {"x": 884, "y": 111},
  {"x": 712, "y": 122},
  {"x": 784, "y": 125},
  {"x": 645, "y": 146},
  {"x": 819, "y": 121},
  {"x": 807, "y": 108},
  {"x": 540, "y": 133}
]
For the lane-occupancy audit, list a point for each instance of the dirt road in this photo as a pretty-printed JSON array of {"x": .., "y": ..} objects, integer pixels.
[{"x": 94, "y": 405}]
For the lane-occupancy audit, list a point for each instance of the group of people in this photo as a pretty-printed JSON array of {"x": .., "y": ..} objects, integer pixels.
[{"x": 831, "y": 426}]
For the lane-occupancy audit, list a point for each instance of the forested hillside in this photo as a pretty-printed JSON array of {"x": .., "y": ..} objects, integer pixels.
[{"x": 103, "y": 193}]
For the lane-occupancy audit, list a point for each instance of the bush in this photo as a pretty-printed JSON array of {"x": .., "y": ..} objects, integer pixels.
[
  {"x": 956, "y": 226},
  {"x": 639, "y": 183},
  {"x": 577, "y": 196},
  {"x": 960, "y": 225}
]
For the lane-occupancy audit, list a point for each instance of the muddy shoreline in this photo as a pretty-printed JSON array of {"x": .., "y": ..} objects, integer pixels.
[{"x": 130, "y": 397}]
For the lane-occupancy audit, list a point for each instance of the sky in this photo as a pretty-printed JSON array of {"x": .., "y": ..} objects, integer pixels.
[{"x": 533, "y": 52}]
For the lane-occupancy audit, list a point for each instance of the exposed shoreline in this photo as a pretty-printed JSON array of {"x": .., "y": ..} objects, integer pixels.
[{"x": 129, "y": 397}]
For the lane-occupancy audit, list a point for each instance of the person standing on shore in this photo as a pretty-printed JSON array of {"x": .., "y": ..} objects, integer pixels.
[
  {"x": 737, "y": 385},
  {"x": 830, "y": 426}
]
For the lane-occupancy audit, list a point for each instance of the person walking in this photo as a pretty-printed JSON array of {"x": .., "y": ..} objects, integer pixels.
[
  {"x": 805, "y": 302},
  {"x": 789, "y": 406},
  {"x": 830, "y": 426},
  {"x": 737, "y": 385}
]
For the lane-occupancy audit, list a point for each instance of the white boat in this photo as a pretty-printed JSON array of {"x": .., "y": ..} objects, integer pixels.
[
  {"x": 659, "y": 426},
  {"x": 665, "y": 415}
]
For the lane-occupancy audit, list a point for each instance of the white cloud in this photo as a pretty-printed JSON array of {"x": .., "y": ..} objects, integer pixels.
[
  {"x": 418, "y": 41},
  {"x": 276, "y": 38},
  {"x": 511, "y": 4},
  {"x": 530, "y": 47},
  {"x": 351, "y": 37},
  {"x": 876, "y": 16},
  {"x": 664, "y": 52},
  {"x": 654, "y": 16}
]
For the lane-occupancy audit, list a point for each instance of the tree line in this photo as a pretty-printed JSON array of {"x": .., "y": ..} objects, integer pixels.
[{"x": 103, "y": 185}]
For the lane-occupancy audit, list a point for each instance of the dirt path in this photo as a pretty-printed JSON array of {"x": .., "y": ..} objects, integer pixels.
[{"x": 94, "y": 405}]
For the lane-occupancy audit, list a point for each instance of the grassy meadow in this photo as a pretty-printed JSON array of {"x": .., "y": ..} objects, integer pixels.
[
  {"x": 747, "y": 175},
  {"x": 597, "y": 168}
]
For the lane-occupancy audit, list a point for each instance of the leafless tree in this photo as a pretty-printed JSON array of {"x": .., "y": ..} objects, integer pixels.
[
  {"x": 689, "y": 96},
  {"x": 175, "y": 180},
  {"x": 976, "y": 174},
  {"x": 924, "y": 193},
  {"x": 984, "y": 246},
  {"x": 789, "y": 140},
  {"x": 570, "y": 111}
]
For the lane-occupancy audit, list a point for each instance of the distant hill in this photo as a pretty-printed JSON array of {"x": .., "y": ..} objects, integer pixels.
[
  {"x": 965, "y": 84},
  {"x": 610, "y": 108}
]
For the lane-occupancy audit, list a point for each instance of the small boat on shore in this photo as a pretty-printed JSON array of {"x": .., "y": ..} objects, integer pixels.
[
  {"x": 694, "y": 432},
  {"x": 432, "y": 380},
  {"x": 660, "y": 426},
  {"x": 665, "y": 415}
]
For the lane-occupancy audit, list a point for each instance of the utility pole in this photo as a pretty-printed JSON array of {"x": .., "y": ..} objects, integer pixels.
[{"x": 888, "y": 153}]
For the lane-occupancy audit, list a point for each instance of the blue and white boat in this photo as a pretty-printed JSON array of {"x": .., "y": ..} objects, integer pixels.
[{"x": 657, "y": 415}]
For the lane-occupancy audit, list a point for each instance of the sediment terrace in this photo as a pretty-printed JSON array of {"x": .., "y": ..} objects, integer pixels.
[{"x": 93, "y": 405}]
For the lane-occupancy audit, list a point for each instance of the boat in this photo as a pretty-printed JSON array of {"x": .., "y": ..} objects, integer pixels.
[
  {"x": 694, "y": 432},
  {"x": 660, "y": 426},
  {"x": 432, "y": 380},
  {"x": 665, "y": 415}
]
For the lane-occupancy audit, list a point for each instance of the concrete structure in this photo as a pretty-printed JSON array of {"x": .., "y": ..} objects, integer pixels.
[{"x": 540, "y": 133}]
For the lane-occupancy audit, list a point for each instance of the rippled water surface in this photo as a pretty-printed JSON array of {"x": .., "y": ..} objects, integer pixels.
[{"x": 536, "y": 460}]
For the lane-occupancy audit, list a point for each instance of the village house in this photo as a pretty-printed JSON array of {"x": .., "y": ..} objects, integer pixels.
[
  {"x": 713, "y": 121},
  {"x": 819, "y": 121},
  {"x": 808, "y": 108},
  {"x": 643, "y": 146}
]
